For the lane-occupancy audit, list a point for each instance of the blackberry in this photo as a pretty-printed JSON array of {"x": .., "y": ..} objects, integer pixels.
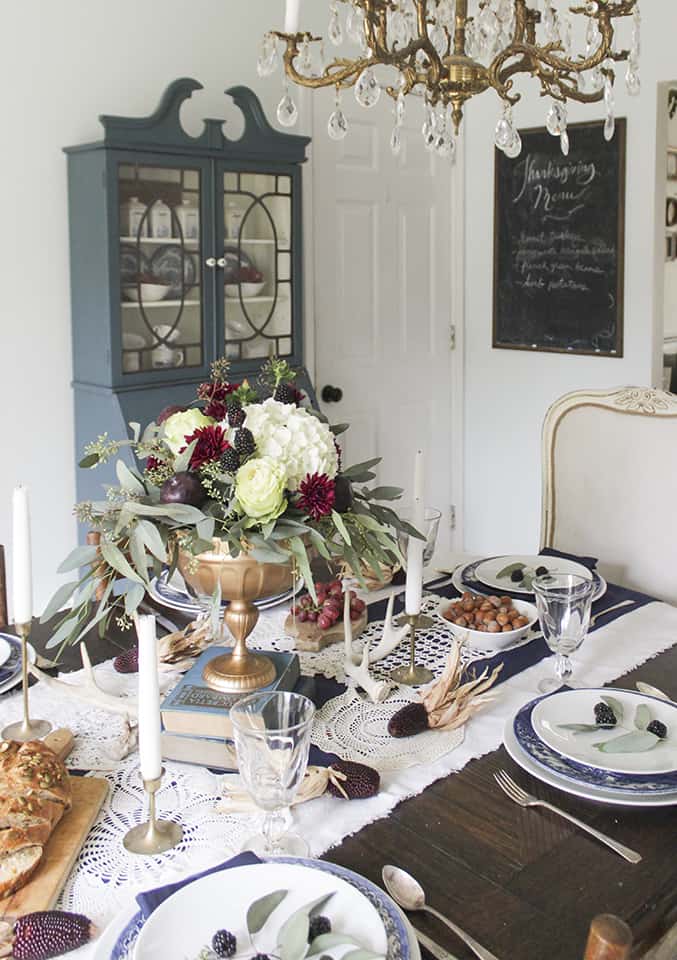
[
  {"x": 541, "y": 571},
  {"x": 236, "y": 415},
  {"x": 224, "y": 943},
  {"x": 230, "y": 460},
  {"x": 260, "y": 956},
  {"x": 284, "y": 393},
  {"x": 517, "y": 576},
  {"x": 318, "y": 926},
  {"x": 658, "y": 728},
  {"x": 604, "y": 715},
  {"x": 244, "y": 442}
]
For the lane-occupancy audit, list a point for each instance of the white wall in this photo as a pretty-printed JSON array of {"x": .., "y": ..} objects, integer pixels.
[
  {"x": 508, "y": 392},
  {"x": 61, "y": 65}
]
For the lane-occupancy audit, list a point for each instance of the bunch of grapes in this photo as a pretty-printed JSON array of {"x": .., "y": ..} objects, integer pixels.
[{"x": 329, "y": 607}]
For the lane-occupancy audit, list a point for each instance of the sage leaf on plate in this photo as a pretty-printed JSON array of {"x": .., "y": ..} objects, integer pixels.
[
  {"x": 616, "y": 707},
  {"x": 362, "y": 955},
  {"x": 639, "y": 741},
  {"x": 585, "y": 727},
  {"x": 506, "y": 571},
  {"x": 261, "y": 909},
  {"x": 328, "y": 940},
  {"x": 642, "y": 717},
  {"x": 292, "y": 940}
]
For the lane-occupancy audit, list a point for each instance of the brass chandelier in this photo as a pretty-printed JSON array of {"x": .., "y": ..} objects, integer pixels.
[{"x": 448, "y": 51}]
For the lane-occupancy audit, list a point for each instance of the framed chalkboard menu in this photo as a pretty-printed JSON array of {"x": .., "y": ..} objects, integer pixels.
[{"x": 559, "y": 230}]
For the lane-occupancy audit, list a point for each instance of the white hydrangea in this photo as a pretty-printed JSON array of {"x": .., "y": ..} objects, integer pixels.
[{"x": 294, "y": 438}]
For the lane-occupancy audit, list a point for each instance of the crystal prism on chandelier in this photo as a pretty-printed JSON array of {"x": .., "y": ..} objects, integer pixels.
[{"x": 449, "y": 51}]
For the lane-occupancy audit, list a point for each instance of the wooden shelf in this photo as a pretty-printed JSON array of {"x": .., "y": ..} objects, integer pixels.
[{"x": 129, "y": 304}]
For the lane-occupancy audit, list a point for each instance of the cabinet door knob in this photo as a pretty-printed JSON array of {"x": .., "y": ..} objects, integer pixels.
[
  {"x": 331, "y": 394},
  {"x": 210, "y": 262},
  {"x": 221, "y": 262}
]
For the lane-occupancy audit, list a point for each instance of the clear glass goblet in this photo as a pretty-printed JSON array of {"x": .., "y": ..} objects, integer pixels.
[
  {"x": 431, "y": 525},
  {"x": 272, "y": 739},
  {"x": 563, "y": 602}
]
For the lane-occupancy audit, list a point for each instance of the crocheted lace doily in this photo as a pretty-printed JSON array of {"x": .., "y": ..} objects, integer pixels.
[{"x": 357, "y": 729}]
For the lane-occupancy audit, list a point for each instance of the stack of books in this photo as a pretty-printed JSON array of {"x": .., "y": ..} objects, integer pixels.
[{"x": 196, "y": 719}]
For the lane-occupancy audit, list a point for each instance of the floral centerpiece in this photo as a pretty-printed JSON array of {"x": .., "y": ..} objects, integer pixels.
[{"x": 257, "y": 469}]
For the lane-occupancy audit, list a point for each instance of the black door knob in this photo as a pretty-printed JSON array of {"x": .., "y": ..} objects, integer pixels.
[{"x": 331, "y": 394}]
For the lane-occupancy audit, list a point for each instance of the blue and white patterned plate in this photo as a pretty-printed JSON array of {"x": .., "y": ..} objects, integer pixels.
[
  {"x": 172, "y": 596},
  {"x": 10, "y": 671},
  {"x": 402, "y": 944},
  {"x": 465, "y": 578},
  {"x": 630, "y": 784}
]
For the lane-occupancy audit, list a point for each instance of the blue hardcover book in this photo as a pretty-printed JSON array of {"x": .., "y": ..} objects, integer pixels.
[{"x": 195, "y": 709}]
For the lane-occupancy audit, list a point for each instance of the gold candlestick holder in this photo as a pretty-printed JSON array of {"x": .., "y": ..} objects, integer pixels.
[
  {"x": 25, "y": 729},
  {"x": 413, "y": 674},
  {"x": 154, "y": 836}
]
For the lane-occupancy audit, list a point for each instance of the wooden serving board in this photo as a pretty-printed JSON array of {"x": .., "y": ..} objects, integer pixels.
[
  {"x": 312, "y": 638},
  {"x": 43, "y": 889}
]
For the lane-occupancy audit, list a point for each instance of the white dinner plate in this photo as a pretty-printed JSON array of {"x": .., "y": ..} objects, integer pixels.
[
  {"x": 576, "y": 706},
  {"x": 487, "y": 571},
  {"x": 465, "y": 578},
  {"x": 221, "y": 901},
  {"x": 5, "y": 651},
  {"x": 577, "y": 789}
]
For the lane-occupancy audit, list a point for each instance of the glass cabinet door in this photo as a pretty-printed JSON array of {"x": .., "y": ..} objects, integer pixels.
[
  {"x": 161, "y": 296},
  {"x": 257, "y": 270}
]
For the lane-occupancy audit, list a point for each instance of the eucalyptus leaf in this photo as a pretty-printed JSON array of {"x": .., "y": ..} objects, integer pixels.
[
  {"x": 642, "y": 717},
  {"x": 78, "y": 558},
  {"x": 510, "y": 569},
  {"x": 352, "y": 472},
  {"x": 127, "y": 480},
  {"x": 265, "y": 555},
  {"x": 386, "y": 493},
  {"x": 205, "y": 528},
  {"x": 305, "y": 913},
  {"x": 89, "y": 461},
  {"x": 137, "y": 549},
  {"x": 152, "y": 539},
  {"x": 183, "y": 459},
  {"x": 260, "y": 910},
  {"x": 60, "y": 598},
  {"x": 639, "y": 741},
  {"x": 182, "y": 513},
  {"x": 115, "y": 558},
  {"x": 328, "y": 940},
  {"x": 64, "y": 631},
  {"x": 341, "y": 527},
  {"x": 297, "y": 547},
  {"x": 616, "y": 707},
  {"x": 133, "y": 598},
  {"x": 338, "y": 428}
]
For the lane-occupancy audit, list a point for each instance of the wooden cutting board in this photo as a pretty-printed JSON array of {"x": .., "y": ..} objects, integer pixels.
[
  {"x": 43, "y": 889},
  {"x": 310, "y": 637}
]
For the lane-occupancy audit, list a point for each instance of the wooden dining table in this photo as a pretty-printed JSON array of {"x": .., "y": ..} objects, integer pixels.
[{"x": 523, "y": 882}]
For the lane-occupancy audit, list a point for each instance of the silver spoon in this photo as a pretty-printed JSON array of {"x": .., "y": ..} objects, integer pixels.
[{"x": 408, "y": 893}]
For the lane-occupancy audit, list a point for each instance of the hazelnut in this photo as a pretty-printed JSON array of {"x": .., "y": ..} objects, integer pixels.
[
  {"x": 461, "y": 622},
  {"x": 502, "y": 618},
  {"x": 507, "y": 628},
  {"x": 493, "y": 627},
  {"x": 520, "y": 622}
]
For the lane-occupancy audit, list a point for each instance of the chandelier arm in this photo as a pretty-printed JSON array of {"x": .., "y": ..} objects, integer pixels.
[{"x": 341, "y": 72}]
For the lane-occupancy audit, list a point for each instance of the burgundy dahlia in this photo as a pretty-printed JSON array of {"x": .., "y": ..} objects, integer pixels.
[
  {"x": 316, "y": 495},
  {"x": 215, "y": 395},
  {"x": 211, "y": 445},
  {"x": 152, "y": 463}
]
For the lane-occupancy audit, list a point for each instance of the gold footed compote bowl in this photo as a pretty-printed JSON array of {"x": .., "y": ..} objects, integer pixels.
[{"x": 242, "y": 580}]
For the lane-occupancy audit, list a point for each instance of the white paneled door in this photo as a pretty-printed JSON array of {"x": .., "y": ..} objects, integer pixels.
[{"x": 384, "y": 277}]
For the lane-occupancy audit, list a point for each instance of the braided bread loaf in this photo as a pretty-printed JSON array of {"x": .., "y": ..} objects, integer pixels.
[{"x": 35, "y": 792}]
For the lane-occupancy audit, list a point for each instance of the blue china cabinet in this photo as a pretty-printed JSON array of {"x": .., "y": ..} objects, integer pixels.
[{"x": 183, "y": 249}]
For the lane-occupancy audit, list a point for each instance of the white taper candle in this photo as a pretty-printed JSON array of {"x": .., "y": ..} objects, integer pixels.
[
  {"x": 150, "y": 750},
  {"x": 22, "y": 575},
  {"x": 292, "y": 14},
  {"x": 414, "y": 587}
]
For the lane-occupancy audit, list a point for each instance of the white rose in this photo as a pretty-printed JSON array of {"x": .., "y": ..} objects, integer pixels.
[
  {"x": 295, "y": 439},
  {"x": 182, "y": 425}
]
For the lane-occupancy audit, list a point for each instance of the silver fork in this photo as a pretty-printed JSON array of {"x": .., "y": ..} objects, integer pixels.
[{"x": 524, "y": 799}]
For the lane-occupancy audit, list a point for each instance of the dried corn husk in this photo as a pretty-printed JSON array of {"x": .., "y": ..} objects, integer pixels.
[
  {"x": 314, "y": 784},
  {"x": 178, "y": 650},
  {"x": 448, "y": 702}
]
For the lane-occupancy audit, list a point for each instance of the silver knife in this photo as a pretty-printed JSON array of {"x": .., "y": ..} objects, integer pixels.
[{"x": 437, "y": 951}]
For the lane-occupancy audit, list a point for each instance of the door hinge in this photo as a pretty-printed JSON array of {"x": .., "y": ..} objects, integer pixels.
[
  {"x": 452, "y": 517},
  {"x": 452, "y": 336}
]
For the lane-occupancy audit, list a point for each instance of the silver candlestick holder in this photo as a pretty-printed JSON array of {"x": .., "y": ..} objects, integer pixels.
[
  {"x": 26, "y": 729},
  {"x": 154, "y": 836},
  {"x": 413, "y": 674}
]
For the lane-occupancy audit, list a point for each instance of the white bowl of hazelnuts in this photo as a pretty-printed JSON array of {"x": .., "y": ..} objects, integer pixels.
[{"x": 488, "y": 623}]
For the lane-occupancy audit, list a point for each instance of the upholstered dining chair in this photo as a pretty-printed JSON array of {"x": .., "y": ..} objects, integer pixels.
[
  {"x": 610, "y": 484},
  {"x": 3, "y": 589}
]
